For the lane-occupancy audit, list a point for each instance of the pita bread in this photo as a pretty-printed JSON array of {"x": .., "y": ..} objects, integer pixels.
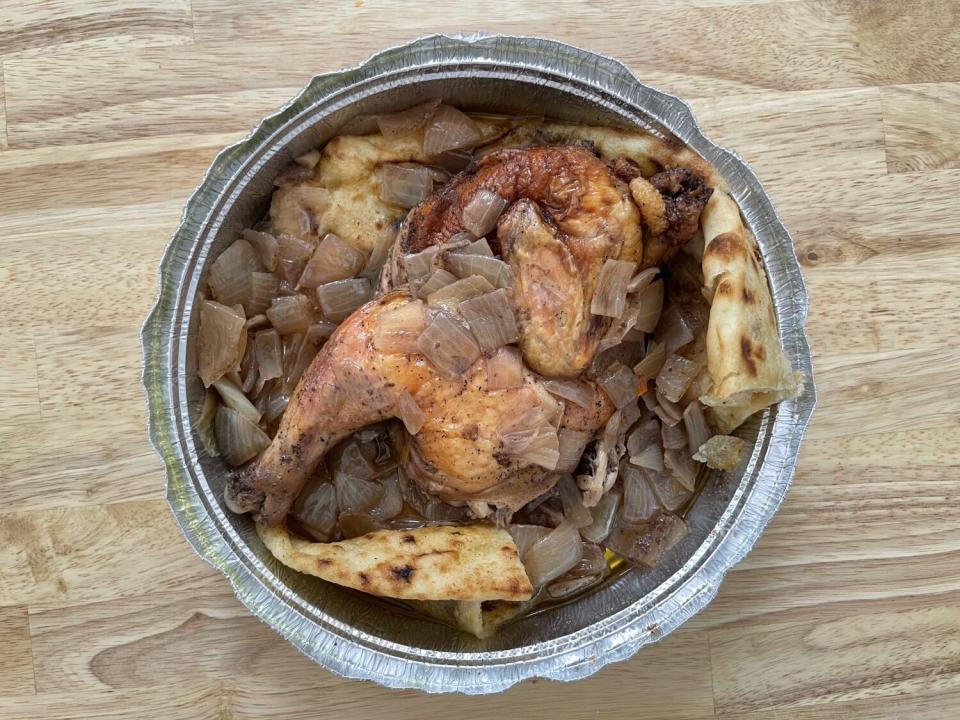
[
  {"x": 746, "y": 362},
  {"x": 481, "y": 619},
  {"x": 474, "y": 562}
]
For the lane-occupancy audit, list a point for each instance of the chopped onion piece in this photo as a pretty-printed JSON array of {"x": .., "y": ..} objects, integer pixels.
[
  {"x": 291, "y": 314},
  {"x": 639, "y": 500},
  {"x": 526, "y": 536},
  {"x": 604, "y": 513},
  {"x": 355, "y": 494},
  {"x": 504, "y": 369},
  {"x": 292, "y": 257},
  {"x": 573, "y": 508},
  {"x": 680, "y": 464},
  {"x": 263, "y": 289},
  {"x": 668, "y": 411},
  {"x": 405, "y": 186},
  {"x": 643, "y": 445},
  {"x": 721, "y": 452},
  {"x": 648, "y": 368},
  {"x": 477, "y": 247},
  {"x": 450, "y": 296},
  {"x": 651, "y": 305},
  {"x": 675, "y": 377},
  {"x": 554, "y": 555},
  {"x": 256, "y": 322},
  {"x": 449, "y": 129},
  {"x": 269, "y": 353},
  {"x": 316, "y": 509},
  {"x": 398, "y": 329},
  {"x": 560, "y": 589},
  {"x": 275, "y": 403},
  {"x": 248, "y": 368},
  {"x": 238, "y": 438},
  {"x": 572, "y": 444},
  {"x": 222, "y": 340},
  {"x": 674, "y": 437},
  {"x": 592, "y": 563},
  {"x": 642, "y": 279},
  {"x": 448, "y": 345},
  {"x": 620, "y": 383},
  {"x": 576, "y": 391},
  {"x": 671, "y": 493},
  {"x": 542, "y": 449},
  {"x": 453, "y": 160},
  {"x": 204, "y": 426},
  {"x": 391, "y": 504},
  {"x": 354, "y": 524},
  {"x": 234, "y": 398},
  {"x": 482, "y": 211},
  {"x": 339, "y": 299},
  {"x": 647, "y": 544},
  {"x": 495, "y": 271},
  {"x": 229, "y": 277},
  {"x": 610, "y": 295},
  {"x": 410, "y": 413},
  {"x": 695, "y": 424},
  {"x": 491, "y": 320},
  {"x": 673, "y": 330},
  {"x": 381, "y": 251},
  {"x": 438, "y": 279},
  {"x": 266, "y": 246},
  {"x": 404, "y": 122},
  {"x": 332, "y": 260},
  {"x": 420, "y": 265}
]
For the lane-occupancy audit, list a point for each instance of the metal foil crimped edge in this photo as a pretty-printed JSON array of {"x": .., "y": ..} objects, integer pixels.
[{"x": 617, "y": 637}]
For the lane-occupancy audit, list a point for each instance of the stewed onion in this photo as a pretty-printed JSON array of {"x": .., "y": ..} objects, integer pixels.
[
  {"x": 448, "y": 345},
  {"x": 490, "y": 317},
  {"x": 495, "y": 271},
  {"x": 620, "y": 383},
  {"x": 651, "y": 305},
  {"x": 410, "y": 413},
  {"x": 481, "y": 213},
  {"x": 263, "y": 289},
  {"x": 229, "y": 277},
  {"x": 332, "y": 260},
  {"x": 504, "y": 369},
  {"x": 405, "y": 186},
  {"x": 438, "y": 279},
  {"x": 238, "y": 438},
  {"x": 610, "y": 296},
  {"x": 233, "y": 397},
  {"x": 316, "y": 509},
  {"x": 573, "y": 508},
  {"x": 292, "y": 256},
  {"x": 639, "y": 500},
  {"x": 604, "y": 514},
  {"x": 269, "y": 353},
  {"x": 450, "y": 296},
  {"x": 575, "y": 391},
  {"x": 380, "y": 252},
  {"x": 397, "y": 124},
  {"x": 449, "y": 129},
  {"x": 648, "y": 368},
  {"x": 266, "y": 246},
  {"x": 291, "y": 314},
  {"x": 222, "y": 340},
  {"x": 554, "y": 555},
  {"x": 572, "y": 443},
  {"x": 339, "y": 299},
  {"x": 526, "y": 536},
  {"x": 398, "y": 329},
  {"x": 675, "y": 377},
  {"x": 643, "y": 446},
  {"x": 695, "y": 424}
]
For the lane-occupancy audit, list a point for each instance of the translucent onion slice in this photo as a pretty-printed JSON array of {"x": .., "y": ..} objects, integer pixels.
[
  {"x": 644, "y": 447},
  {"x": 639, "y": 500},
  {"x": 504, "y": 369},
  {"x": 448, "y": 345},
  {"x": 646, "y": 545},
  {"x": 610, "y": 296},
  {"x": 648, "y": 368},
  {"x": 269, "y": 353},
  {"x": 263, "y": 289},
  {"x": 238, "y": 438},
  {"x": 410, "y": 413},
  {"x": 695, "y": 424},
  {"x": 204, "y": 426},
  {"x": 592, "y": 563},
  {"x": 642, "y": 279},
  {"x": 491, "y": 319},
  {"x": 477, "y": 247},
  {"x": 391, "y": 503},
  {"x": 332, "y": 260},
  {"x": 234, "y": 398},
  {"x": 420, "y": 265},
  {"x": 526, "y": 536},
  {"x": 450, "y": 296},
  {"x": 257, "y": 322},
  {"x": 438, "y": 279},
  {"x": 543, "y": 449},
  {"x": 554, "y": 555},
  {"x": 679, "y": 462},
  {"x": 339, "y": 299},
  {"x": 449, "y": 129},
  {"x": 651, "y": 305},
  {"x": 398, "y": 329},
  {"x": 668, "y": 411},
  {"x": 292, "y": 256},
  {"x": 573, "y": 508},
  {"x": 354, "y": 494},
  {"x": 669, "y": 491},
  {"x": 316, "y": 510},
  {"x": 495, "y": 271},
  {"x": 675, "y": 377},
  {"x": 291, "y": 314},
  {"x": 560, "y": 589},
  {"x": 405, "y": 122},
  {"x": 356, "y": 524},
  {"x": 229, "y": 277},
  {"x": 453, "y": 160},
  {"x": 381, "y": 251},
  {"x": 266, "y": 247},
  {"x": 275, "y": 403},
  {"x": 572, "y": 443},
  {"x": 404, "y": 185},
  {"x": 674, "y": 436},
  {"x": 604, "y": 514},
  {"x": 222, "y": 340},
  {"x": 673, "y": 330},
  {"x": 482, "y": 211},
  {"x": 577, "y": 392},
  {"x": 620, "y": 383}
]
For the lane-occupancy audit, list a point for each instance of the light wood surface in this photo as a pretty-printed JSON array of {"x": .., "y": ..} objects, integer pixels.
[{"x": 110, "y": 111}]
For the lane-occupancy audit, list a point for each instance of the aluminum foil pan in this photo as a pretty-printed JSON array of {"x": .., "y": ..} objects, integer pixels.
[{"x": 359, "y": 636}]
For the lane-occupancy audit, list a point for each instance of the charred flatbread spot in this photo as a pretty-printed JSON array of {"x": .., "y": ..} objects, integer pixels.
[
  {"x": 748, "y": 297},
  {"x": 746, "y": 350},
  {"x": 404, "y": 573},
  {"x": 507, "y": 549},
  {"x": 727, "y": 246},
  {"x": 726, "y": 287},
  {"x": 364, "y": 578},
  {"x": 323, "y": 562},
  {"x": 408, "y": 539}
]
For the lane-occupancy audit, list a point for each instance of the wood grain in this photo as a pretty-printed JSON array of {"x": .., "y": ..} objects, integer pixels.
[{"x": 110, "y": 112}]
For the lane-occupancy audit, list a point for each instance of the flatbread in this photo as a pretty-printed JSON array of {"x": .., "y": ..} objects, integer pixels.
[
  {"x": 473, "y": 562},
  {"x": 748, "y": 367},
  {"x": 481, "y": 619}
]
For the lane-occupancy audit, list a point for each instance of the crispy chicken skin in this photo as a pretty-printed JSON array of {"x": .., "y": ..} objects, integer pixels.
[
  {"x": 351, "y": 383},
  {"x": 670, "y": 203},
  {"x": 569, "y": 214}
]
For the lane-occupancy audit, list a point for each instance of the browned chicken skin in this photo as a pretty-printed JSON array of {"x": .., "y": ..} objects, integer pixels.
[{"x": 352, "y": 383}]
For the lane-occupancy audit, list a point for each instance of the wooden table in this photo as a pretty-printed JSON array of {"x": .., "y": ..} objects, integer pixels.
[{"x": 849, "y": 607}]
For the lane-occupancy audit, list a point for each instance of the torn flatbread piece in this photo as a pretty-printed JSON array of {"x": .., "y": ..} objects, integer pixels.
[
  {"x": 748, "y": 367},
  {"x": 474, "y": 562}
]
